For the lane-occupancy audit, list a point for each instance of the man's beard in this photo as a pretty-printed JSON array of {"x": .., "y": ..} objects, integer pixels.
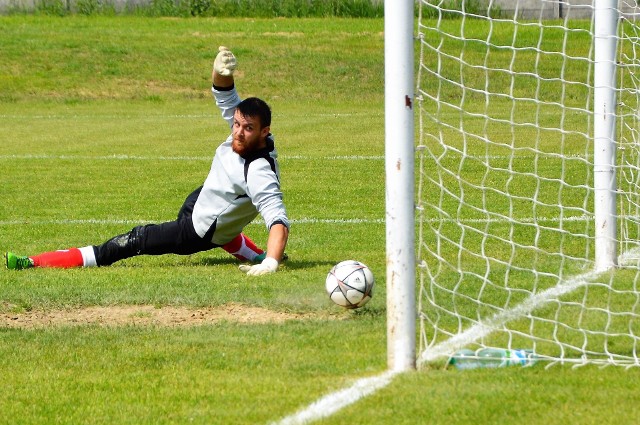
[{"x": 239, "y": 147}]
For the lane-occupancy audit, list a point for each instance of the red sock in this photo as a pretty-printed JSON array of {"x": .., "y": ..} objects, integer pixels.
[
  {"x": 64, "y": 258},
  {"x": 243, "y": 248}
]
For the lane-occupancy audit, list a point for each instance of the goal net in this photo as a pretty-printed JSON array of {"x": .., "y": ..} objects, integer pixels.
[{"x": 528, "y": 174}]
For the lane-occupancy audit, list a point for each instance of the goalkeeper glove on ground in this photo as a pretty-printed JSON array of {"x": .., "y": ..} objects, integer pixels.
[{"x": 268, "y": 265}]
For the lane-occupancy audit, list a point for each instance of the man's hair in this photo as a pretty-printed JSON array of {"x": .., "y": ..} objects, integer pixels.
[{"x": 254, "y": 107}]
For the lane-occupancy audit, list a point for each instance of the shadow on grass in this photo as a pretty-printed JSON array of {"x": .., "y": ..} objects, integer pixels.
[{"x": 291, "y": 264}]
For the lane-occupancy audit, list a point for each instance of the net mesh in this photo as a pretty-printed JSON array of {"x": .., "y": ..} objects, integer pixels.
[{"x": 506, "y": 233}]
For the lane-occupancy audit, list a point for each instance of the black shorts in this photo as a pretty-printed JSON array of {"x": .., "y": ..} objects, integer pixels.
[{"x": 172, "y": 237}]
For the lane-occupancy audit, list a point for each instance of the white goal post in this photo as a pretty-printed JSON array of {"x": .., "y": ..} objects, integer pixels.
[
  {"x": 520, "y": 226},
  {"x": 399, "y": 190}
]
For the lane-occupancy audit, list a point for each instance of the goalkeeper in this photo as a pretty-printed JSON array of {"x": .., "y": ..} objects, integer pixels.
[{"x": 244, "y": 181}]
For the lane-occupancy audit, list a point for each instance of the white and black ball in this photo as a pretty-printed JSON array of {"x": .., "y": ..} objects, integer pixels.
[{"x": 350, "y": 284}]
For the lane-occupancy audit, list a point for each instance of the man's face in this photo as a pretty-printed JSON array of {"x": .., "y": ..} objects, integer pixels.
[{"x": 248, "y": 136}]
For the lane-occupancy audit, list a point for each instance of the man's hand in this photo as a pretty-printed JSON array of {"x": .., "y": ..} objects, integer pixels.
[
  {"x": 268, "y": 265},
  {"x": 225, "y": 62}
]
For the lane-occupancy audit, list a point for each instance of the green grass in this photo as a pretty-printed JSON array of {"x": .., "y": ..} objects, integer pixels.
[
  {"x": 227, "y": 373},
  {"x": 107, "y": 123}
]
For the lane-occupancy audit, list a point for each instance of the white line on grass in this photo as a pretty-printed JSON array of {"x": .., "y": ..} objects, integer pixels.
[
  {"x": 303, "y": 220},
  {"x": 208, "y": 158},
  {"x": 108, "y": 157},
  {"x": 171, "y": 116},
  {"x": 332, "y": 403},
  {"x": 94, "y": 116},
  {"x": 138, "y": 221},
  {"x": 181, "y": 158}
]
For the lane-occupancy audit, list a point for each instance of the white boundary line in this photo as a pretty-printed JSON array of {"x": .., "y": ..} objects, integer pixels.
[
  {"x": 126, "y": 157},
  {"x": 29, "y": 222},
  {"x": 182, "y": 158},
  {"x": 303, "y": 220},
  {"x": 174, "y": 116},
  {"x": 332, "y": 403}
]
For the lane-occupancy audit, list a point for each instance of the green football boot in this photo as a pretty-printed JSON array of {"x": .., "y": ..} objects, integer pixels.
[{"x": 17, "y": 262}]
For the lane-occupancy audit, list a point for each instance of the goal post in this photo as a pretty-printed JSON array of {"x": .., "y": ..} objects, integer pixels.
[
  {"x": 399, "y": 187},
  {"x": 527, "y": 179},
  {"x": 605, "y": 19}
]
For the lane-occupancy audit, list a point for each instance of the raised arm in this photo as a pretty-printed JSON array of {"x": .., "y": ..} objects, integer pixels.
[
  {"x": 223, "y": 84},
  {"x": 223, "y": 67}
]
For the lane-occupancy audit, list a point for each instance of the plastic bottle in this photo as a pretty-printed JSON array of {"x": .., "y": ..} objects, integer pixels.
[
  {"x": 464, "y": 359},
  {"x": 491, "y": 358}
]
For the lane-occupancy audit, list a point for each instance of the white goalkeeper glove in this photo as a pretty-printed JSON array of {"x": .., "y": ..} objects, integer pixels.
[
  {"x": 268, "y": 265},
  {"x": 225, "y": 62}
]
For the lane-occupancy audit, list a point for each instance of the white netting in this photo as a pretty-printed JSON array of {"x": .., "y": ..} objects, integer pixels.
[{"x": 505, "y": 183}]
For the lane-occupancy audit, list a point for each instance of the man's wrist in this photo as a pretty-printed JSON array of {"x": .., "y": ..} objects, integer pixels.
[
  {"x": 225, "y": 88},
  {"x": 271, "y": 263}
]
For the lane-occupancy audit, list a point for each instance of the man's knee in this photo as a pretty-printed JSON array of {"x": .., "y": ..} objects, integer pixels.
[
  {"x": 120, "y": 247},
  {"x": 174, "y": 237}
]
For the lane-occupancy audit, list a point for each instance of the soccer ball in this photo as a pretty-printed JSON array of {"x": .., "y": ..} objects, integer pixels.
[{"x": 350, "y": 284}]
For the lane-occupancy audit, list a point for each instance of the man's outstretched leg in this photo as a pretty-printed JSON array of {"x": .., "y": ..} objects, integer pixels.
[
  {"x": 67, "y": 258},
  {"x": 117, "y": 248},
  {"x": 175, "y": 237}
]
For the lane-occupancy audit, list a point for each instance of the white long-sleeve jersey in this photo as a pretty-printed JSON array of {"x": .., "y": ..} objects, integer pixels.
[{"x": 237, "y": 189}]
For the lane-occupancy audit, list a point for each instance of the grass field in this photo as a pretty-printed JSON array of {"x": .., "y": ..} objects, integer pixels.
[{"x": 107, "y": 123}]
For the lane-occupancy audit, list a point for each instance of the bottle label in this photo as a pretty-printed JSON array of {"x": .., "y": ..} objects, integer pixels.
[{"x": 521, "y": 357}]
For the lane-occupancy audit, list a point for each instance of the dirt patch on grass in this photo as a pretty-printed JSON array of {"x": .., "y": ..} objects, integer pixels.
[{"x": 145, "y": 315}]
